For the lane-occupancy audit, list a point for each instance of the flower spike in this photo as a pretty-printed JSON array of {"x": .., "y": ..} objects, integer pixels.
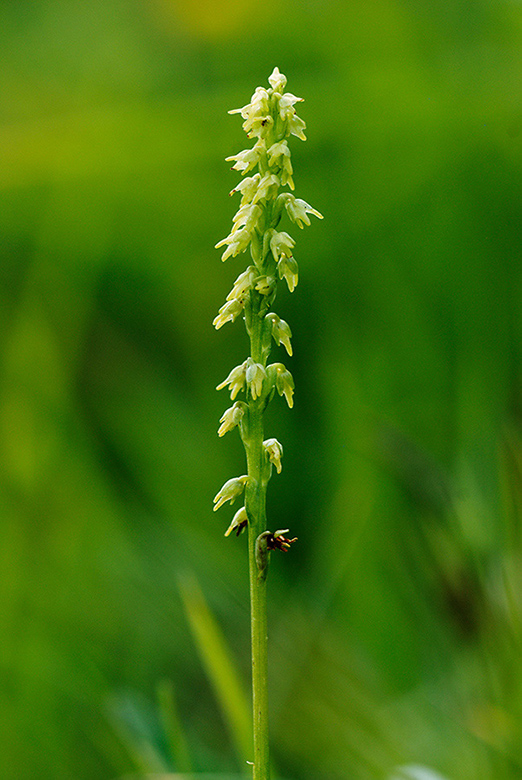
[{"x": 267, "y": 209}]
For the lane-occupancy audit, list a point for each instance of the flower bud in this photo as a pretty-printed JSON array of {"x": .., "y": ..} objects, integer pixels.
[
  {"x": 274, "y": 450},
  {"x": 277, "y": 80},
  {"x": 231, "y": 417},
  {"x": 230, "y": 491},
  {"x": 239, "y": 522},
  {"x": 266, "y": 284}
]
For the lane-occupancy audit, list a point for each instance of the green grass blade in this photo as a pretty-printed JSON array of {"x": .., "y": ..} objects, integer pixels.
[
  {"x": 172, "y": 726},
  {"x": 219, "y": 665}
]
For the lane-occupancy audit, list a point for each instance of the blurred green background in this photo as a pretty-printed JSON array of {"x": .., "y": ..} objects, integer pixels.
[{"x": 396, "y": 619}]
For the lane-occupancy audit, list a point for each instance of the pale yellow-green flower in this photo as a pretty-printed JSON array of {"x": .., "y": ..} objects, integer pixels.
[
  {"x": 279, "y": 155},
  {"x": 231, "y": 417},
  {"x": 281, "y": 244},
  {"x": 288, "y": 270},
  {"x": 248, "y": 159},
  {"x": 235, "y": 380},
  {"x": 247, "y": 218},
  {"x": 281, "y": 332},
  {"x": 236, "y": 242},
  {"x": 286, "y": 105},
  {"x": 274, "y": 450},
  {"x": 255, "y": 376},
  {"x": 228, "y": 313},
  {"x": 231, "y": 490},
  {"x": 239, "y": 522},
  {"x": 282, "y": 381},
  {"x": 298, "y": 211},
  {"x": 247, "y": 188}
]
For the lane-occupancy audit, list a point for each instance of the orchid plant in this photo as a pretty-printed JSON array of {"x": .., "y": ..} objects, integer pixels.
[{"x": 270, "y": 118}]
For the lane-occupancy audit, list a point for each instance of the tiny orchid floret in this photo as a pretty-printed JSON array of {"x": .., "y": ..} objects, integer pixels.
[
  {"x": 281, "y": 332},
  {"x": 231, "y": 417},
  {"x": 231, "y": 490},
  {"x": 279, "y": 156},
  {"x": 235, "y": 380},
  {"x": 286, "y": 105},
  {"x": 266, "y": 200},
  {"x": 247, "y": 188},
  {"x": 239, "y": 522},
  {"x": 258, "y": 104},
  {"x": 298, "y": 211},
  {"x": 267, "y": 185},
  {"x": 248, "y": 159},
  {"x": 247, "y": 218},
  {"x": 255, "y": 376},
  {"x": 242, "y": 284},
  {"x": 281, "y": 245},
  {"x": 288, "y": 270},
  {"x": 274, "y": 451},
  {"x": 282, "y": 380},
  {"x": 237, "y": 242},
  {"x": 297, "y": 127},
  {"x": 228, "y": 313}
]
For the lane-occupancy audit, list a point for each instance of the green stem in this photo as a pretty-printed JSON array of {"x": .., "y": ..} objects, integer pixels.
[
  {"x": 255, "y": 503},
  {"x": 259, "y": 663}
]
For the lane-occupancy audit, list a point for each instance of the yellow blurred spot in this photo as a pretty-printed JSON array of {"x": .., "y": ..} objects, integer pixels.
[
  {"x": 208, "y": 19},
  {"x": 492, "y": 724}
]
